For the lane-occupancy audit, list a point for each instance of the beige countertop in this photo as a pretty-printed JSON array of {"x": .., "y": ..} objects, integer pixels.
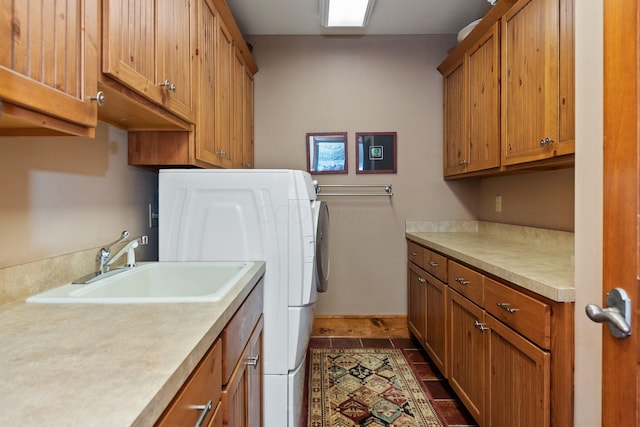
[
  {"x": 104, "y": 364},
  {"x": 539, "y": 260}
]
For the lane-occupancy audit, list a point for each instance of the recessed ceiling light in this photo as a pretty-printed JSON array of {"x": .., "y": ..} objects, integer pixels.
[{"x": 345, "y": 13}]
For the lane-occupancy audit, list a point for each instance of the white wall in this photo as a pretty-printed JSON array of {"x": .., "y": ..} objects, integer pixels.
[
  {"x": 66, "y": 194},
  {"x": 361, "y": 84}
]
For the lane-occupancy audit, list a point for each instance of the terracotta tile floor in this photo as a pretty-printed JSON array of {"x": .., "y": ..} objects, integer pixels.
[{"x": 447, "y": 403}]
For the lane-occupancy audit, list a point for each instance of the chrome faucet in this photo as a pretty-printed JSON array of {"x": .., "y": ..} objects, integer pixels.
[
  {"x": 104, "y": 260},
  {"x": 104, "y": 253}
]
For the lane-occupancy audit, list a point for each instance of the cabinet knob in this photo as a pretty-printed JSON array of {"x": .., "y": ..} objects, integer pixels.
[
  {"x": 546, "y": 141},
  {"x": 506, "y": 307},
  {"x": 422, "y": 279},
  {"x": 462, "y": 281},
  {"x": 480, "y": 326},
  {"x": 99, "y": 98},
  {"x": 221, "y": 153},
  {"x": 167, "y": 84},
  {"x": 205, "y": 410},
  {"x": 433, "y": 264},
  {"x": 463, "y": 162},
  {"x": 253, "y": 361}
]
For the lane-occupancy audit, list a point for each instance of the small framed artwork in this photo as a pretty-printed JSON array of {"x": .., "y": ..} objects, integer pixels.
[
  {"x": 327, "y": 152},
  {"x": 376, "y": 152}
]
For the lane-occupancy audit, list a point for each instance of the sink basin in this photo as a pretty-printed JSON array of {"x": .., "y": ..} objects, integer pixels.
[{"x": 154, "y": 283}]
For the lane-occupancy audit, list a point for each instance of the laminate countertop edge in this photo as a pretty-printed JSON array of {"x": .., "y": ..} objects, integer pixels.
[{"x": 543, "y": 267}]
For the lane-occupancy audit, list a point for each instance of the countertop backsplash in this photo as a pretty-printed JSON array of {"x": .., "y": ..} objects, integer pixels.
[{"x": 23, "y": 280}]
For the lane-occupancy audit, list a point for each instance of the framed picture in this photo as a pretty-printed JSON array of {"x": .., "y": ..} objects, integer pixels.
[
  {"x": 376, "y": 152},
  {"x": 327, "y": 152}
]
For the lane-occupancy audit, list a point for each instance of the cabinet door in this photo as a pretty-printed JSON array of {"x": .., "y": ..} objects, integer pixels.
[
  {"x": 254, "y": 378},
  {"x": 518, "y": 380},
  {"x": 467, "y": 337},
  {"x": 436, "y": 304},
  {"x": 48, "y": 66},
  {"x": 242, "y": 397},
  {"x": 238, "y": 103},
  {"x": 530, "y": 82},
  {"x": 176, "y": 46},
  {"x": 416, "y": 309},
  {"x": 483, "y": 69},
  {"x": 224, "y": 96},
  {"x": 455, "y": 130},
  {"x": 200, "y": 395},
  {"x": 147, "y": 46},
  {"x": 129, "y": 53},
  {"x": 247, "y": 145},
  {"x": 205, "y": 127}
]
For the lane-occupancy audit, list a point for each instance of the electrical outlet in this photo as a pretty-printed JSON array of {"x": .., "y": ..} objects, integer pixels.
[{"x": 498, "y": 203}]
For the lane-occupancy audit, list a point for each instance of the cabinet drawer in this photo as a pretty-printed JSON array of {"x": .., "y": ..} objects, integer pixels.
[
  {"x": 468, "y": 282},
  {"x": 435, "y": 264},
  {"x": 239, "y": 329},
  {"x": 528, "y": 316},
  {"x": 204, "y": 386},
  {"x": 415, "y": 253}
]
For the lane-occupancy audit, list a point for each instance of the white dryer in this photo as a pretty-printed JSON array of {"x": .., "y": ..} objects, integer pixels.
[{"x": 270, "y": 215}]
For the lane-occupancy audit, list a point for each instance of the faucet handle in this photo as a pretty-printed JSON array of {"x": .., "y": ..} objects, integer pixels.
[
  {"x": 123, "y": 237},
  {"x": 105, "y": 252}
]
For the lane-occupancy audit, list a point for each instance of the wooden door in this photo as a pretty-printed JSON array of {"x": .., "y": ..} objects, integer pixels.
[
  {"x": 467, "y": 336},
  {"x": 518, "y": 379},
  {"x": 483, "y": 70},
  {"x": 435, "y": 332},
  {"x": 48, "y": 65},
  {"x": 620, "y": 364},
  {"x": 455, "y": 130},
  {"x": 530, "y": 91},
  {"x": 416, "y": 309}
]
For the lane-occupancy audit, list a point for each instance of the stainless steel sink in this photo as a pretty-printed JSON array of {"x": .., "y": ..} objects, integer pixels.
[{"x": 156, "y": 282}]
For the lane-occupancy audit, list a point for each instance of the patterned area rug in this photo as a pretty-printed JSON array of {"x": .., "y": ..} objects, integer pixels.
[{"x": 366, "y": 387}]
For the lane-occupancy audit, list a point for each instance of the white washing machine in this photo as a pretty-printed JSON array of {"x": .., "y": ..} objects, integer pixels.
[{"x": 270, "y": 215}]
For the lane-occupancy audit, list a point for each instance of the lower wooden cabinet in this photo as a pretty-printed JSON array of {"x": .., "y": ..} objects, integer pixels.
[
  {"x": 416, "y": 316},
  {"x": 506, "y": 352},
  {"x": 518, "y": 380},
  {"x": 241, "y": 397},
  {"x": 225, "y": 389},
  {"x": 435, "y": 313},
  {"x": 467, "y": 365},
  {"x": 200, "y": 396}
]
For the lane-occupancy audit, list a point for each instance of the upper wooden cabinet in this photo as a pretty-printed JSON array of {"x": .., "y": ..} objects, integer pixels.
[
  {"x": 472, "y": 107},
  {"x": 48, "y": 68},
  {"x": 149, "y": 46},
  {"x": 223, "y": 101},
  {"x": 531, "y": 98},
  {"x": 509, "y": 91}
]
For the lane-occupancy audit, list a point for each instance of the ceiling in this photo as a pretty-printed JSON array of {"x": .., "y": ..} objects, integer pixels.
[{"x": 295, "y": 17}]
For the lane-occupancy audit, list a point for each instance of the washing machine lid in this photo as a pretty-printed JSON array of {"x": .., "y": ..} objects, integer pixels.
[{"x": 322, "y": 265}]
